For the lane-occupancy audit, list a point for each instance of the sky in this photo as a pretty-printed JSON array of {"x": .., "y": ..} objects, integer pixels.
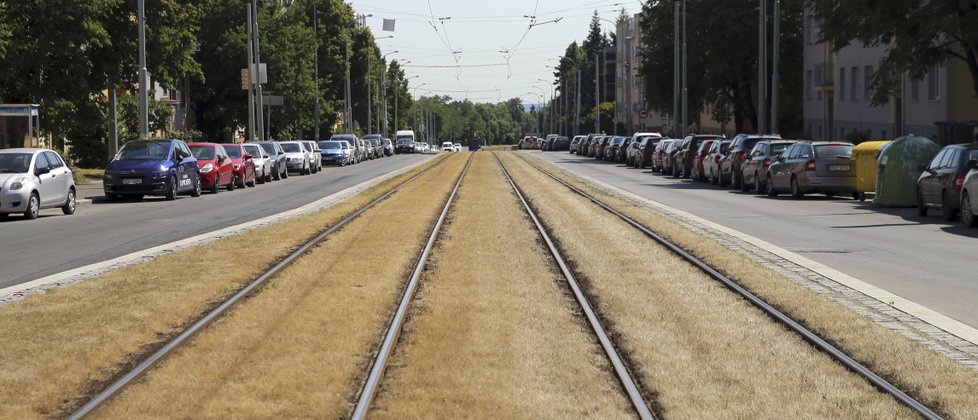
[{"x": 484, "y": 50}]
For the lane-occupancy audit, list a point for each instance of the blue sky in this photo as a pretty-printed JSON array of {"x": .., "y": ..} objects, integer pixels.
[{"x": 499, "y": 57}]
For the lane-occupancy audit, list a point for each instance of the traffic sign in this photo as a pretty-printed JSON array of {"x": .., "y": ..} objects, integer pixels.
[{"x": 643, "y": 114}]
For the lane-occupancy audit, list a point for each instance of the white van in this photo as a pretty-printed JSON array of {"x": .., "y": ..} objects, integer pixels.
[{"x": 404, "y": 143}]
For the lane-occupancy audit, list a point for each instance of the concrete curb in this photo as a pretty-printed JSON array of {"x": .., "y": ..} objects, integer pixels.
[
  {"x": 65, "y": 278},
  {"x": 923, "y": 313}
]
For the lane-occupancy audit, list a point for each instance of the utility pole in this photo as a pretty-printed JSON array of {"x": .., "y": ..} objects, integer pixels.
[
  {"x": 775, "y": 76},
  {"x": 143, "y": 80},
  {"x": 315, "y": 106},
  {"x": 252, "y": 68},
  {"x": 258, "y": 95},
  {"x": 685, "y": 75},
  {"x": 675, "y": 72},
  {"x": 563, "y": 108},
  {"x": 370, "y": 99},
  {"x": 577, "y": 94},
  {"x": 597, "y": 93},
  {"x": 347, "y": 106},
  {"x": 762, "y": 68},
  {"x": 383, "y": 98}
]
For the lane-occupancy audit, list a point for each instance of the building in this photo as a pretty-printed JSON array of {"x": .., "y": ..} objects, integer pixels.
[
  {"x": 630, "y": 103},
  {"x": 837, "y": 97}
]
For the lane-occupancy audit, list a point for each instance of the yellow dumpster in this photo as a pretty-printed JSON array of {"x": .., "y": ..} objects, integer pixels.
[{"x": 867, "y": 154}]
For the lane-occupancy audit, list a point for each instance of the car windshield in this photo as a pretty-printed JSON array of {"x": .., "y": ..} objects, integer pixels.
[
  {"x": 14, "y": 163},
  {"x": 346, "y": 137},
  {"x": 269, "y": 148},
  {"x": 253, "y": 150},
  {"x": 330, "y": 145},
  {"x": 144, "y": 150},
  {"x": 778, "y": 148},
  {"x": 233, "y": 151},
  {"x": 291, "y": 147},
  {"x": 833, "y": 151},
  {"x": 202, "y": 152},
  {"x": 405, "y": 140}
]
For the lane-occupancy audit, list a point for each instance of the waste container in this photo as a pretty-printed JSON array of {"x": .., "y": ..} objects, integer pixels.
[
  {"x": 867, "y": 155},
  {"x": 900, "y": 164}
]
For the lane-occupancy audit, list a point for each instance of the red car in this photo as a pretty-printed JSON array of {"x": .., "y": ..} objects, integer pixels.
[
  {"x": 244, "y": 167},
  {"x": 698, "y": 174},
  {"x": 216, "y": 167}
]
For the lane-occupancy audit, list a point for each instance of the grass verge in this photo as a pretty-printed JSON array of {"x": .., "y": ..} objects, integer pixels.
[
  {"x": 704, "y": 351},
  {"x": 58, "y": 347},
  {"x": 492, "y": 332},
  {"x": 942, "y": 384},
  {"x": 302, "y": 346},
  {"x": 85, "y": 176}
]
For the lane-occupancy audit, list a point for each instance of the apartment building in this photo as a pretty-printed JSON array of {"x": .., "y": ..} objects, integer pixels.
[
  {"x": 838, "y": 94},
  {"x": 630, "y": 101}
]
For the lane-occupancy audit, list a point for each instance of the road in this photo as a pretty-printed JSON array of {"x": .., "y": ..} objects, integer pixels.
[
  {"x": 923, "y": 259},
  {"x": 99, "y": 231}
]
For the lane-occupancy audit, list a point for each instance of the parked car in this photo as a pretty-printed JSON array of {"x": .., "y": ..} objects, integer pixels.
[
  {"x": 560, "y": 144},
  {"x": 334, "y": 152},
  {"x": 576, "y": 141},
  {"x": 711, "y": 163},
  {"x": 602, "y": 146},
  {"x": 808, "y": 167},
  {"x": 458, "y": 147},
  {"x": 683, "y": 160},
  {"x": 660, "y": 154},
  {"x": 941, "y": 183},
  {"x": 263, "y": 162},
  {"x": 422, "y": 147},
  {"x": 243, "y": 163},
  {"x": 34, "y": 179},
  {"x": 759, "y": 159},
  {"x": 621, "y": 152},
  {"x": 733, "y": 160},
  {"x": 969, "y": 189},
  {"x": 359, "y": 153},
  {"x": 315, "y": 156},
  {"x": 152, "y": 167},
  {"x": 447, "y": 147},
  {"x": 280, "y": 169},
  {"x": 296, "y": 156},
  {"x": 216, "y": 168},
  {"x": 697, "y": 172},
  {"x": 388, "y": 147}
]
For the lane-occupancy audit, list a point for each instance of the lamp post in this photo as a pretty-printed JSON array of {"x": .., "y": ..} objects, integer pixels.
[{"x": 143, "y": 92}]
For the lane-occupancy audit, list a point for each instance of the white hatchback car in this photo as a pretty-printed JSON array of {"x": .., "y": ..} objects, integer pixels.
[
  {"x": 34, "y": 179},
  {"x": 447, "y": 147}
]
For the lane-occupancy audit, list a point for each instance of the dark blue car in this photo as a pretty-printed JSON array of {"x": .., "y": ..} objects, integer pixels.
[{"x": 152, "y": 167}]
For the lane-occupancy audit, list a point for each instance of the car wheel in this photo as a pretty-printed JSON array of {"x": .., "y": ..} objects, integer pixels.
[
  {"x": 743, "y": 184},
  {"x": 254, "y": 180},
  {"x": 758, "y": 188},
  {"x": 276, "y": 175},
  {"x": 734, "y": 181},
  {"x": 196, "y": 191},
  {"x": 217, "y": 185},
  {"x": 769, "y": 187},
  {"x": 795, "y": 189},
  {"x": 260, "y": 179},
  {"x": 947, "y": 211},
  {"x": 171, "y": 194},
  {"x": 285, "y": 173},
  {"x": 234, "y": 182},
  {"x": 967, "y": 211},
  {"x": 33, "y": 207},
  {"x": 921, "y": 207},
  {"x": 70, "y": 203}
]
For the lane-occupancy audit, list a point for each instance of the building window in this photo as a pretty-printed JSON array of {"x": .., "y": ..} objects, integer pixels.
[
  {"x": 934, "y": 84},
  {"x": 842, "y": 84},
  {"x": 808, "y": 85},
  {"x": 868, "y": 82},
  {"x": 854, "y": 81}
]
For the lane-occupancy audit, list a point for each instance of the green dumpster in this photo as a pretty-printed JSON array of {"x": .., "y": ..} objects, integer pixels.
[
  {"x": 867, "y": 155},
  {"x": 900, "y": 164}
]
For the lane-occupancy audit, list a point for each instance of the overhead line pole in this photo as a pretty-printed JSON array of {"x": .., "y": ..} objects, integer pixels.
[
  {"x": 762, "y": 68},
  {"x": 143, "y": 80},
  {"x": 251, "y": 76},
  {"x": 775, "y": 74},
  {"x": 258, "y": 95},
  {"x": 685, "y": 75},
  {"x": 675, "y": 73}
]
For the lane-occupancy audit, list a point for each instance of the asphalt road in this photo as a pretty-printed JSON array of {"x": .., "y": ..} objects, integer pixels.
[
  {"x": 923, "y": 259},
  {"x": 99, "y": 231}
]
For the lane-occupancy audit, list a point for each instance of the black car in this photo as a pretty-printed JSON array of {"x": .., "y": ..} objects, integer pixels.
[
  {"x": 733, "y": 160},
  {"x": 683, "y": 160},
  {"x": 405, "y": 145},
  {"x": 561, "y": 143},
  {"x": 939, "y": 186}
]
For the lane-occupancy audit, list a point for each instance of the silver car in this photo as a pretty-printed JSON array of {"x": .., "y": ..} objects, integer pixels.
[
  {"x": 277, "y": 156},
  {"x": 34, "y": 179},
  {"x": 263, "y": 162},
  {"x": 296, "y": 156},
  {"x": 807, "y": 167},
  {"x": 315, "y": 156}
]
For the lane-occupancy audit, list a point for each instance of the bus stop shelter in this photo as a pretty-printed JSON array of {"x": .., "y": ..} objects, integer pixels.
[{"x": 20, "y": 125}]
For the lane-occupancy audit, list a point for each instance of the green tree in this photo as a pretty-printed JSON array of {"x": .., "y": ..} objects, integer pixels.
[
  {"x": 398, "y": 97},
  {"x": 917, "y": 34}
]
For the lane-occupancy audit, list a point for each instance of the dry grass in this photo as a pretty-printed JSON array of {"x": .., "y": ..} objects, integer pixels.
[
  {"x": 85, "y": 176},
  {"x": 302, "y": 346},
  {"x": 492, "y": 333},
  {"x": 57, "y": 346},
  {"x": 705, "y": 351},
  {"x": 940, "y": 383}
]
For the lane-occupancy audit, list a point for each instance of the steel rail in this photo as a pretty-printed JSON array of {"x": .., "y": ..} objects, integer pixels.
[
  {"x": 214, "y": 314},
  {"x": 634, "y": 394},
  {"x": 808, "y": 335},
  {"x": 370, "y": 388}
]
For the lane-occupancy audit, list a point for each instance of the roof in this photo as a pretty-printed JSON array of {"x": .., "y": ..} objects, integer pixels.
[{"x": 25, "y": 150}]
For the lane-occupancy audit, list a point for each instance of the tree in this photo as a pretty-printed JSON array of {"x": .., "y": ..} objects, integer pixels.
[
  {"x": 917, "y": 34},
  {"x": 398, "y": 97}
]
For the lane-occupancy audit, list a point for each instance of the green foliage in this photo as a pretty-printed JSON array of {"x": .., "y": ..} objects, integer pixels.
[
  {"x": 160, "y": 114},
  {"x": 917, "y": 35},
  {"x": 188, "y": 135}
]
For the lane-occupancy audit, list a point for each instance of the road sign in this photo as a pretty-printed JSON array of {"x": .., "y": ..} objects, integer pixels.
[
  {"x": 597, "y": 121},
  {"x": 245, "y": 78},
  {"x": 643, "y": 114},
  {"x": 273, "y": 100}
]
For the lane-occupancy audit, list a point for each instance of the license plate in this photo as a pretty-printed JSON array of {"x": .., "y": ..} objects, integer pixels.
[
  {"x": 838, "y": 167},
  {"x": 132, "y": 181}
]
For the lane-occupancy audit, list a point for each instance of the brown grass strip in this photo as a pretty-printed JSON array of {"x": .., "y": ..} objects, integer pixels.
[
  {"x": 301, "y": 348},
  {"x": 493, "y": 332},
  {"x": 705, "y": 351},
  {"x": 941, "y": 384},
  {"x": 58, "y": 347}
]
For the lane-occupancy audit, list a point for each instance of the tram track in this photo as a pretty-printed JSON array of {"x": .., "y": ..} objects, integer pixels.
[{"x": 796, "y": 327}]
